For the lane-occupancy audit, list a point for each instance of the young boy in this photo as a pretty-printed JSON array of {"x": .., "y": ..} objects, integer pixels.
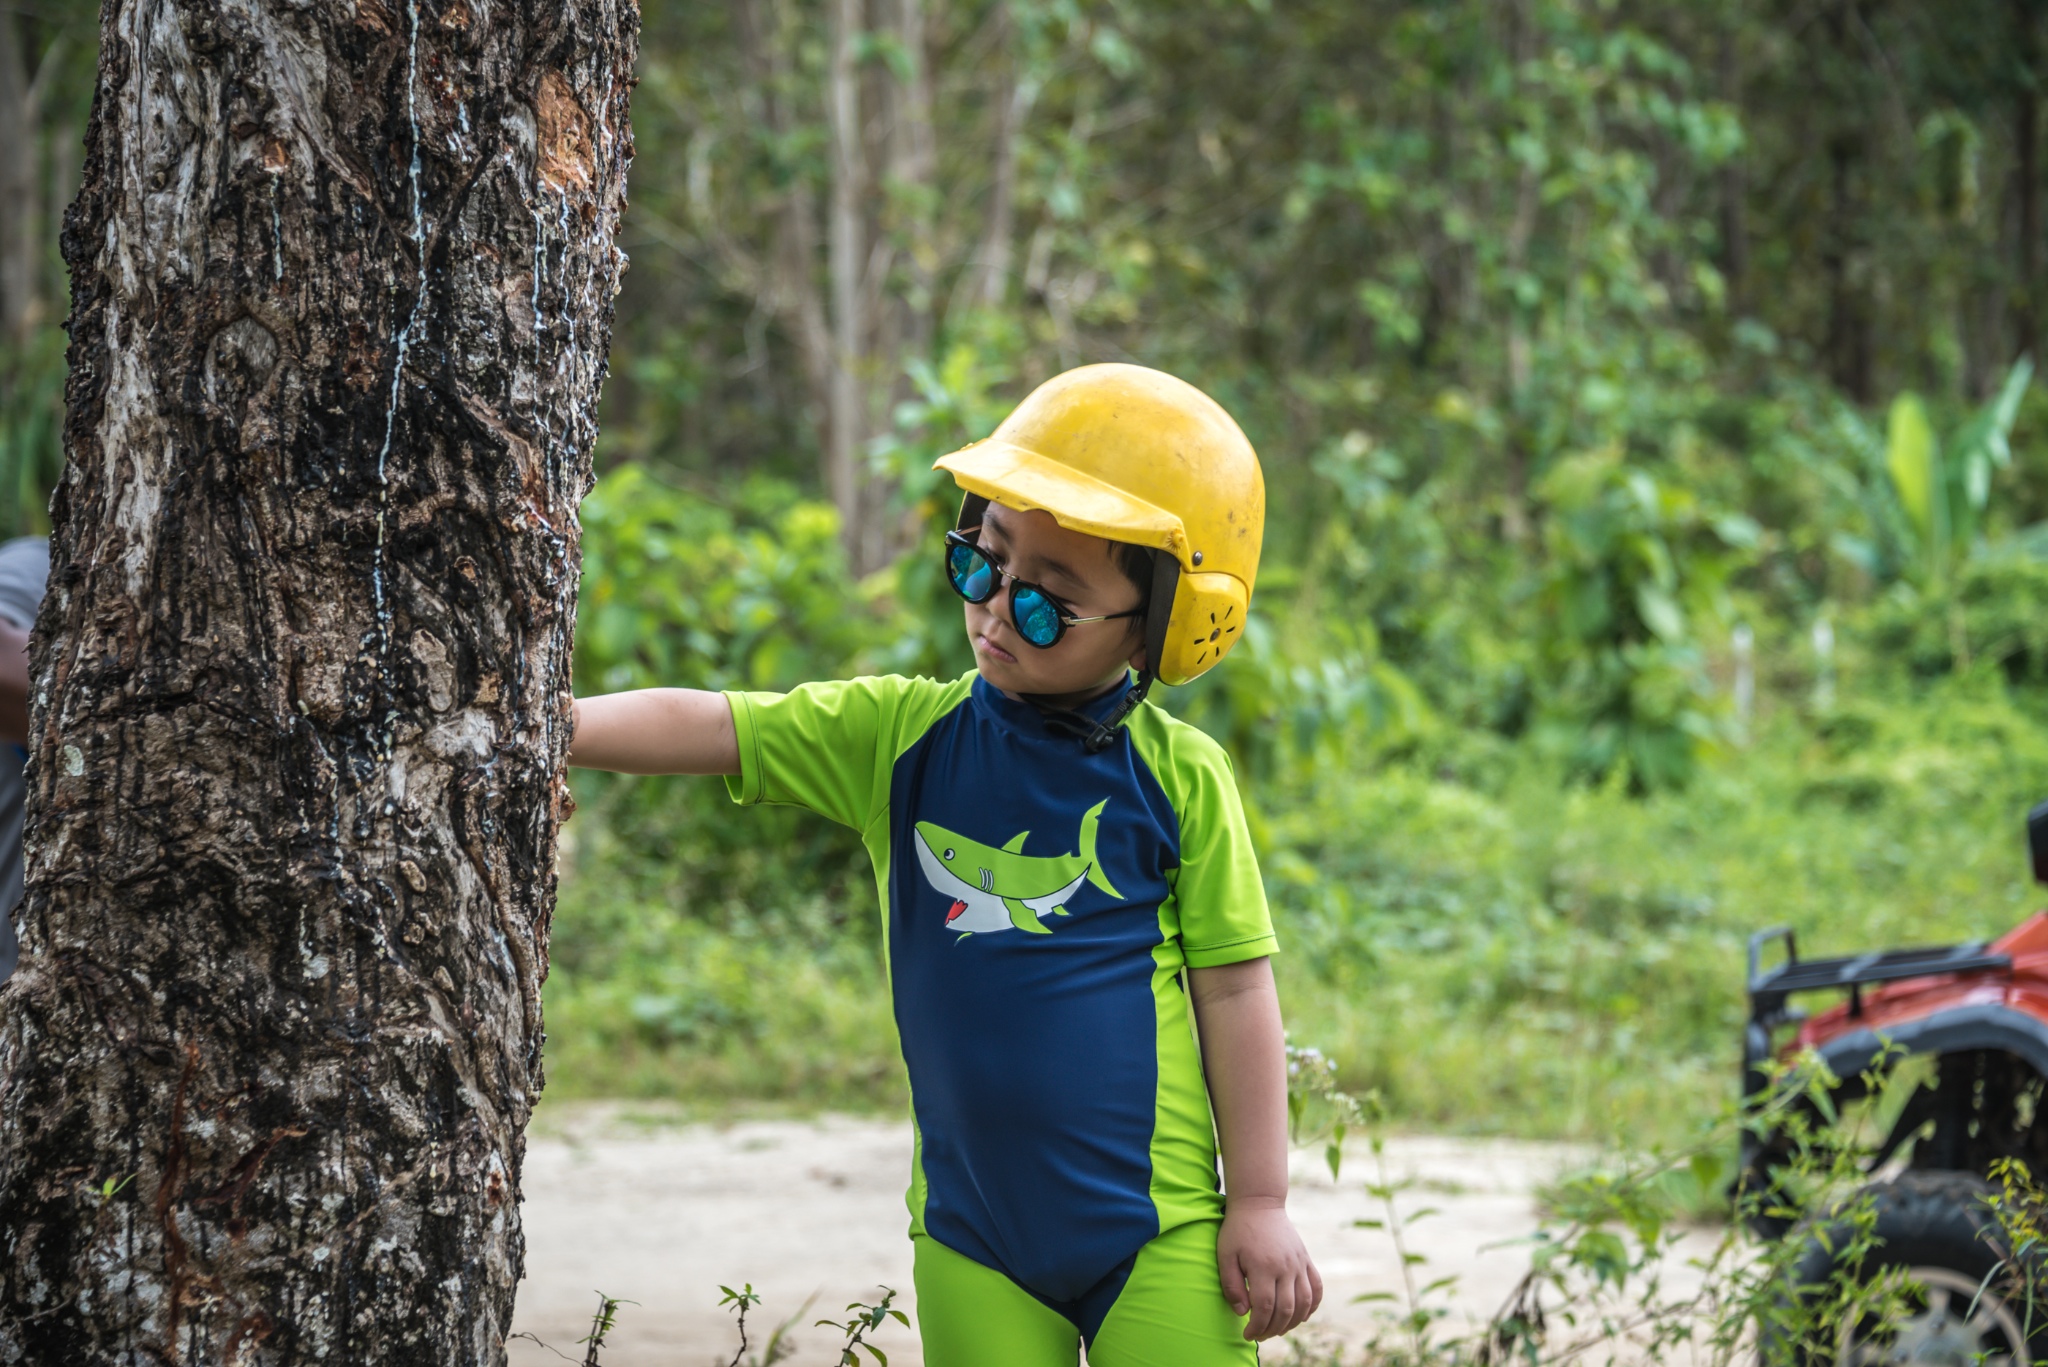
[{"x": 1062, "y": 871}]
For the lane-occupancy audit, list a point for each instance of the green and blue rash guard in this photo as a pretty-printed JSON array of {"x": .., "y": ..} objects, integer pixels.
[{"x": 1040, "y": 904}]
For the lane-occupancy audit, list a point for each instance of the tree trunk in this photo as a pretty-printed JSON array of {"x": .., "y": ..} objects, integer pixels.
[
  {"x": 1734, "y": 184},
  {"x": 1514, "y": 517},
  {"x": 791, "y": 273},
  {"x": 343, "y": 281},
  {"x": 913, "y": 163},
  {"x": 20, "y": 298},
  {"x": 2026, "y": 128},
  {"x": 1012, "y": 99},
  {"x": 845, "y": 425},
  {"x": 1850, "y": 349}
]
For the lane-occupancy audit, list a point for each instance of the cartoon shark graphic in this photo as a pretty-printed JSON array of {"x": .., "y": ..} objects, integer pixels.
[{"x": 995, "y": 889}]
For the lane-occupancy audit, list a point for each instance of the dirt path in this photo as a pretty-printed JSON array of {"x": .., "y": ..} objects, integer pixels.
[{"x": 663, "y": 1214}]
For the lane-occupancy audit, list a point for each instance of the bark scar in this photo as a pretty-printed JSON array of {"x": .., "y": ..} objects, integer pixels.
[
  {"x": 563, "y": 153},
  {"x": 179, "y": 1276}
]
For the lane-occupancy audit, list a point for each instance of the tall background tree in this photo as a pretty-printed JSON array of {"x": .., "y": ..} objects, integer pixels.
[{"x": 342, "y": 283}]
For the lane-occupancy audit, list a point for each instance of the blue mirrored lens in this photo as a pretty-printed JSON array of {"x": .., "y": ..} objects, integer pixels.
[
  {"x": 973, "y": 577},
  {"x": 1038, "y": 621}
]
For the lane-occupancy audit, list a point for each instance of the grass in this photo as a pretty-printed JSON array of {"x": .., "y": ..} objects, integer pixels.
[{"x": 1491, "y": 951}]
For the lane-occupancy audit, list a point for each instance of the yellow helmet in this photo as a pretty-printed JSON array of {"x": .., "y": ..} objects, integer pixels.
[{"x": 1131, "y": 454}]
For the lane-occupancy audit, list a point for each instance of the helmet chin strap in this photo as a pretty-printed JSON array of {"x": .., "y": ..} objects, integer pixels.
[{"x": 1097, "y": 736}]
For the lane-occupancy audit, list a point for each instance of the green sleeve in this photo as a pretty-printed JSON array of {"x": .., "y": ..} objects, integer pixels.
[
  {"x": 825, "y": 746},
  {"x": 1218, "y": 893}
]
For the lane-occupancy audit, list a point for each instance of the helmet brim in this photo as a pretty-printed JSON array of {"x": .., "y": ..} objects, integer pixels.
[{"x": 1020, "y": 478}]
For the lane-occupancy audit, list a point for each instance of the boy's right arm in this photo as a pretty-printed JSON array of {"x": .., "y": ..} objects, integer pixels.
[{"x": 656, "y": 731}]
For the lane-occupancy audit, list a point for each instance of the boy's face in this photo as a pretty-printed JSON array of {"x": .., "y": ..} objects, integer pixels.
[{"x": 1079, "y": 572}]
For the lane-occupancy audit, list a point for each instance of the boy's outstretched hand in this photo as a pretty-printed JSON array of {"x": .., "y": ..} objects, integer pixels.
[{"x": 1265, "y": 1268}]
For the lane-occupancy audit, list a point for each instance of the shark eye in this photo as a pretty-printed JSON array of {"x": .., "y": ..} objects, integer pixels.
[{"x": 947, "y": 856}]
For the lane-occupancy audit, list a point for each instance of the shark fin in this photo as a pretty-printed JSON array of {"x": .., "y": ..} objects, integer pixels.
[
  {"x": 1023, "y": 917},
  {"x": 1016, "y": 845},
  {"x": 1096, "y": 876}
]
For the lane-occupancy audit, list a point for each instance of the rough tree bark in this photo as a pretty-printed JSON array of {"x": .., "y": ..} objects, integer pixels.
[{"x": 343, "y": 280}]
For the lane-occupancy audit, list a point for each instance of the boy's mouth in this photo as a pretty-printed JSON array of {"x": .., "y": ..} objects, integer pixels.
[{"x": 989, "y": 648}]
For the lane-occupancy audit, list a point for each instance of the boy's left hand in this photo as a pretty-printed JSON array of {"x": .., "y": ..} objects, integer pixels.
[{"x": 1265, "y": 1268}]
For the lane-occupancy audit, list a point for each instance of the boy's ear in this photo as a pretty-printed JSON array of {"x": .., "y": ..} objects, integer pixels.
[{"x": 1138, "y": 655}]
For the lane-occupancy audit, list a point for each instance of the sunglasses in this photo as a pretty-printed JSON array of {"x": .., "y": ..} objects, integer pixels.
[{"x": 975, "y": 576}]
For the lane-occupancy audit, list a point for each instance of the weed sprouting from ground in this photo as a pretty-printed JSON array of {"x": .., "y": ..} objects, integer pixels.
[
  {"x": 778, "y": 1346},
  {"x": 602, "y": 1323},
  {"x": 2020, "y": 1207},
  {"x": 1606, "y": 1279},
  {"x": 740, "y": 1301},
  {"x": 864, "y": 1320}
]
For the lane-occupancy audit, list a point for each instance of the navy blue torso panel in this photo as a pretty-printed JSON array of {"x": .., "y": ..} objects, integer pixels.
[{"x": 1025, "y": 879}]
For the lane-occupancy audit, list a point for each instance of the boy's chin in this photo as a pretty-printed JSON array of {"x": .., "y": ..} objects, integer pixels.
[
  {"x": 1007, "y": 675},
  {"x": 1008, "y": 678}
]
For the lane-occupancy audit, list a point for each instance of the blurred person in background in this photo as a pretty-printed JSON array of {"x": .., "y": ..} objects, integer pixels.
[{"x": 24, "y": 569}]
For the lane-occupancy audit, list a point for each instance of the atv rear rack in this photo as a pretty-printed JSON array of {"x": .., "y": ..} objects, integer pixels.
[{"x": 1770, "y": 993}]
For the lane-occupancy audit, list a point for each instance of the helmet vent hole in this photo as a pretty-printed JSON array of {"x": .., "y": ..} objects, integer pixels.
[
  {"x": 1215, "y": 634},
  {"x": 1226, "y": 613},
  {"x": 1203, "y": 656}
]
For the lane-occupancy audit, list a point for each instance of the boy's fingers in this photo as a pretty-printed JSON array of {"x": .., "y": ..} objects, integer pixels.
[
  {"x": 1255, "y": 1310},
  {"x": 1231, "y": 1275},
  {"x": 1265, "y": 1301},
  {"x": 1253, "y": 1325},
  {"x": 1315, "y": 1282},
  {"x": 1282, "y": 1318},
  {"x": 1306, "y": 1296}
]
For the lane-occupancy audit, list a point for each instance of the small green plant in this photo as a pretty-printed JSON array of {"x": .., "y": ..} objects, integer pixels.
[
  {"x": 2020, "y": 1207},
  {"x": 1419, "y": 1315},
  {"x": 866, "y": 1320},
  {"x": 111, "y": 1187},
  {"x": 602, "y": 1323},
  {"x": 1599, "y": 1278},
  {"x": 778, "y": 1346},
  {"x": 1317, "y": 1109}
]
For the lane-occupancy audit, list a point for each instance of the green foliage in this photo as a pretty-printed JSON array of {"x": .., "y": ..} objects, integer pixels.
[
  {"x": 31, "y": 430},
  {"x": 748, "y": 594},
  {"x": 1944, "y": 489},
  {"x": 865, "y": 1320},
  {"x": 1600, "y": 1281},
  {"x": 1634, "y": 565}
]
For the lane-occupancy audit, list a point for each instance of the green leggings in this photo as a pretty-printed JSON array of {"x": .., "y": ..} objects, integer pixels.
[{"x": 1171, "y": 1313}]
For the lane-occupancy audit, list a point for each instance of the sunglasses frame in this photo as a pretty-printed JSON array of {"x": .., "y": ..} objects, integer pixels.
[{"x": 1000, "y": 576}]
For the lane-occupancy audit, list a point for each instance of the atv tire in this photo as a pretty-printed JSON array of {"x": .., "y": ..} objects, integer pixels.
[{"x": 1939, "y": 1227}]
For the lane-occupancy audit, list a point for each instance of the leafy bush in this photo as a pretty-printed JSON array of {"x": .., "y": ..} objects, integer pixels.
[
  {"x": 1991, "y": 614},
  {"x": 1635, "y": 565},
  {"x": 699, "y": 947}
]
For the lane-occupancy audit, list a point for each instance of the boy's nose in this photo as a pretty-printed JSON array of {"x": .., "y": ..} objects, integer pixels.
[{"x": 1002, "y": 605}]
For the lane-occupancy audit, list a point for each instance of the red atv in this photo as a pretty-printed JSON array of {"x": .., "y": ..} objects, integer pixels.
[{"x": 1980, "y": 1012}]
